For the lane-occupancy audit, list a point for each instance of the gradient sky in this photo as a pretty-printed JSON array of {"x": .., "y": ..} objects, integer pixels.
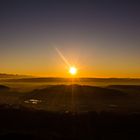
[{"x": 100, "y": 37}]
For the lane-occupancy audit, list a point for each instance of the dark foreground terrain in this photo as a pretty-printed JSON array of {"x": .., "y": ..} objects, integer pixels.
[
  {"x": 30, "y": 124},
  {"x": 71, "y": 112}
]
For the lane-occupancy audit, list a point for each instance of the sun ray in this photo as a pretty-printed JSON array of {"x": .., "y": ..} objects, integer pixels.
[{"x": 62, "y": 57}]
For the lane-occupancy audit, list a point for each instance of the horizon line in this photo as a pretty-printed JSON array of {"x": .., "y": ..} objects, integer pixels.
[{"x": 33, "y": 76}]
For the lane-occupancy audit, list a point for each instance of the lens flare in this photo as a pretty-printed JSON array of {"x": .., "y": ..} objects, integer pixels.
[{"x": 73, "y": 70}]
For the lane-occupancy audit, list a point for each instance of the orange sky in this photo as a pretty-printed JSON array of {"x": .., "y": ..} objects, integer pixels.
[{"x": 100, "y": 39}]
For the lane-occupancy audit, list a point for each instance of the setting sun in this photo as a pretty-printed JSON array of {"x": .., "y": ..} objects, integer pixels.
[{"x": 73, "y": 70}]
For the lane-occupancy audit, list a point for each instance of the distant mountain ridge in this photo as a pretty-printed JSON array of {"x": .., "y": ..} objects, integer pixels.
[
  {"x": 29, "y": 78},
  {"x": 53, "y": 79},
  {"x": 7, "y": 76}
]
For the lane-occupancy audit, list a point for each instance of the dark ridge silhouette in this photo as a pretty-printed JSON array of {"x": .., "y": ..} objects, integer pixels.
[
  {"x": 4, "y": 75},
  {"x": 53, "y": 79},
  {"x": 4, "y": 88},
  {"x": 12, "y": 76},
  {"x": 132, "y": 87},
  {"x": 92, "y": 91},
  {"x": 76, "y": 98}
]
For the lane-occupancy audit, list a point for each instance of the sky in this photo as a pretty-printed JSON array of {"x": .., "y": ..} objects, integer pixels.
[{"x": 99, "y": 37}]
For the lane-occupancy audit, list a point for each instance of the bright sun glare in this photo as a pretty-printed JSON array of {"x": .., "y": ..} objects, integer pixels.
[{"x": 73, "y": 70}]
